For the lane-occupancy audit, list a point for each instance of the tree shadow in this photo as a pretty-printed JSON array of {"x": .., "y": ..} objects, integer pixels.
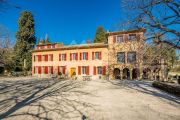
[
  {"x": 42, "y": 99},
  {"x": 145, "y": 87}
]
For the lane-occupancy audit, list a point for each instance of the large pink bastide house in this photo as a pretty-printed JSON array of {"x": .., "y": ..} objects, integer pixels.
[{"x": 120, "y": 58}]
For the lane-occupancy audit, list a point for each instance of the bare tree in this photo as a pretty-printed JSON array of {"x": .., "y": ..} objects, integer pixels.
[
  {"x": 5, "y": 5},
  {"x": 159, "y": 17}
]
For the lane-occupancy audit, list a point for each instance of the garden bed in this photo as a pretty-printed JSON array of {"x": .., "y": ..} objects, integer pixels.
[{"x": 168, "y": 87}]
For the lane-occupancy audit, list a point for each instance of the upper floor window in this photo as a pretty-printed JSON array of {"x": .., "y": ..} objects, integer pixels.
[
  {"x": 50, "y": 57},
  {"x": 119, "y": 39},
  {"x": 84, "y": 55},
  {"x": 131, "y": 57},
  {"x": 62, "y": 57},
  {"x": 121, "y": 57},
  {"x": 132, "y": 37},
  {"x": 73, "y": 56},
  {"x": 97, "y": 55}
]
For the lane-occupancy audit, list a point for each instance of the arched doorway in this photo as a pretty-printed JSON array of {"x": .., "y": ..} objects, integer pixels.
[
  {"x": 135, "y": 73},
  {"x": 116, "y": 73},
  {"x": 146, "y": 73},
  {"x": 126, "y": 73}
]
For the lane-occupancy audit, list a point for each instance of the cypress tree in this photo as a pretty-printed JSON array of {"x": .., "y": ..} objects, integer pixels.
[
  {"x": 100, "y": 36},
  {"x": 25, "y": 41}
]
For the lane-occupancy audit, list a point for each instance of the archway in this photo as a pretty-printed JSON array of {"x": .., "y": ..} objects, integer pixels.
[
  {"x": 146, "y": 73},
  {"x": 116, "y": 73},
  {"x": 126, "y": 73},
  {"x": 135, "y": 73}
]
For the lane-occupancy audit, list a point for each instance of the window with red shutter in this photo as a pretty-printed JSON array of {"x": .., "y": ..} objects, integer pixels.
[
  {"x": 40, "y": 57},
  {"x": 46, "y": 69},
  {"x": 46, "y": 57},
  {"x": 64, "y": 69},
  {"x": 51, "y": 69},
  {"x": 59, "y": 57},
  {"x": 87, "y": 56},
  {"x": 104, "y": 70},
  {"x": 92, "y": 55},
  {"x": 51, "y": 57},
  {"x": 94, "y": 71},
  {"x": 80, "y": 56},
  {"x": 64, "y": 57},
  {"x": 87, "y": 70},
  {"x": 79, "y": 70},
  {"x": 70, "y": 56},
  {"x": 39, "y": 70},
  {"x": 76, "y": 56},
  {"x": 100, "y": 55}
]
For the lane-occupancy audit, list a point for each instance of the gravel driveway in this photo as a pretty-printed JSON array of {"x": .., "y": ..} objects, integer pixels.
[{"x": 95, "y": 100}]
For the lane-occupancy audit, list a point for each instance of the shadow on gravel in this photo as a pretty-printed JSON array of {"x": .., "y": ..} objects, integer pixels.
[
  {"x": 42, "y": 99},
  {"x": 145, "y": 87}
]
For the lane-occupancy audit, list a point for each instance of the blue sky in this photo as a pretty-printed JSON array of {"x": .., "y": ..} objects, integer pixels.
[{"x": 66, "y": 20}]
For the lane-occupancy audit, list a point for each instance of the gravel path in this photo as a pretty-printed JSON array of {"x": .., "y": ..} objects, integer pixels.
[{"x": 22, "y": 99}]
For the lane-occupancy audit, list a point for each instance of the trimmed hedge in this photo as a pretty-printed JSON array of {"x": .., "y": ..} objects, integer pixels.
[{"x": 171, "y": 88}]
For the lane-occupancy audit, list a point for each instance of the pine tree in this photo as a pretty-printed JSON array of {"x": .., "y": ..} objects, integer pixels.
[
  {"x": 100, "y": 36},
  {"x": 25, "y": 40}
]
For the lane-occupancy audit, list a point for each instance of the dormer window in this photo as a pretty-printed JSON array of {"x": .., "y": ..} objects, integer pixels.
[
  {"x": 119, "y": 39},
  {"x": 132, "y": 37}
]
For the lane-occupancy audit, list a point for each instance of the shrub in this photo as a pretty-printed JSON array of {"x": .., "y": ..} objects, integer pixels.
[{"x": 171, "y": 88}]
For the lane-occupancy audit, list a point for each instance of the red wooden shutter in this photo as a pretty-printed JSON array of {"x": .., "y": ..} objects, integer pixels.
[
  {"x": 70, "y": 56},
  {"x": 100, "y": 55},
  {"x": 46, "y": 57},
  {"x": 64, "y": 68},
  {"x": 39, "y": 70},
  {"x": 58, "y": 70},
  {"x": 76, "y": 56},
  {"x": 46, "y": 69},
  {"x": 94, "y": 70},
  {"x": 52, "y": 70},
  {"x": 92, "y": 55},
  {"x": 59, "y": 57},
  {"x": 79, "y": 70},
  {"x": 40, "y": 58},
  {"x": 87, "y": 56},
  {"x": 80, "y": 56},
  {"x": 64, "y": 57},
  {"x": 104, "y": 70},
  {"x": 51, "y": 57},
  {"x": 87, "y": 70},
  {"x": 114, "y": 39}
]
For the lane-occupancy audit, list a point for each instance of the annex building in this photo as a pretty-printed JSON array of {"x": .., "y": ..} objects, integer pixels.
[{"x": 120, "y": 58}]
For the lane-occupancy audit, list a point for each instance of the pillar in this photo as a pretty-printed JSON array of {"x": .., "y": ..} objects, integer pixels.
[
  {"x": 121, "y": 74},
  {"x": 130, "y": 74}
]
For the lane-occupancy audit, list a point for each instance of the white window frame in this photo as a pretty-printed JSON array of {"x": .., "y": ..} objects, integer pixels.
[
  {"x": 99, "y": 70},
  {"x": 119, "y": 40},
  {"x": 132, "y": 38},
  {"x": 97, "y": 55},
  {"x": 62, "y": 57},
  {"x": 73, "y": 56},
  {"x": 84, "y": 70},
  {"x": 84, "y": 55}
]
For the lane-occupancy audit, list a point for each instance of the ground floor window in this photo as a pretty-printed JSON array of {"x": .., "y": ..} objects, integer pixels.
[
  {"x": 83, "y": 69},
  {"x": 99, "y": 70}
]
